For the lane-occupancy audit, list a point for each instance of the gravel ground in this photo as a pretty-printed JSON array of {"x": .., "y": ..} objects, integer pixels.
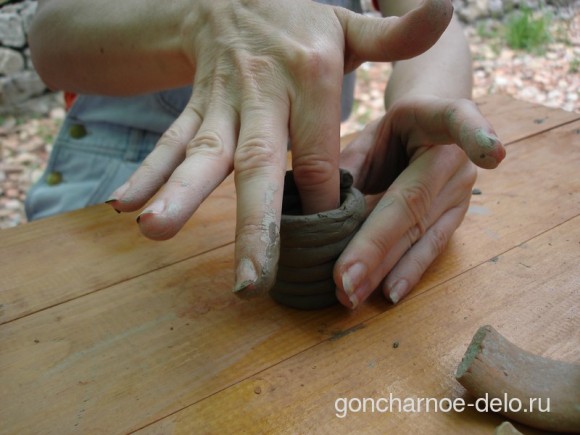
[{"x": 551, "y": 78}]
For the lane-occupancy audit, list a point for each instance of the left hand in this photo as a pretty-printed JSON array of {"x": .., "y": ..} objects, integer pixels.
[{"x": 424, "y": 191}]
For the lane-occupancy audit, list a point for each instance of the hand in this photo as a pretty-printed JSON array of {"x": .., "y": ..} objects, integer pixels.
[
  {"x": 265, "y": 71},
  {"x": 412, "y": 219}
]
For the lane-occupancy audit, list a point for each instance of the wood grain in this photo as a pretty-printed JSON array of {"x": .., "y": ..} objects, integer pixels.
[
  {"x": 107, "y": 332},
  {"x": 42, "y": 265},
  {"x": 529, "y": 293},
  {"x": 514, "y": 120}
]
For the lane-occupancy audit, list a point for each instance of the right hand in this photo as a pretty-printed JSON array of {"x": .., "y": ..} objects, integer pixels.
[{"x": 265, "y": 71}]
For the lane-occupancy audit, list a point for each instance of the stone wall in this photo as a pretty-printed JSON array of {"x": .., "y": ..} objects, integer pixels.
[{"x": 21, "y": 89}]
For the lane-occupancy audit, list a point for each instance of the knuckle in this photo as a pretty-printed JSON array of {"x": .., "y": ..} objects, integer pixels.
[
  {"x": 416, "y": 201},
  {"x": 312, "y": 171},
  {"x": 380, "y": 245},
  {"x": 458, "y": 105},
  {"x": 256, "y": 71},
  {"x": 457, "y": 109},
  {"x": 246, "y": 233},
  {"x": 252, "y": 68},
  {"x": 208, "y": 143},
  {"x": 413, "y": 234},
  {"x": 258, "y": 79},
  {"x": 312, "y": 63},
  {"x": 255, "y": 153},
  {"x": 437, "y": 242},
  {"x": 172, "y": 138}
]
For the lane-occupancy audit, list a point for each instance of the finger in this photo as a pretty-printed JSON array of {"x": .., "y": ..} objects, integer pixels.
[
  {"x": 456, "y": 191},
  {"x": 451, "y": 194},
  {"x": 404, "y": 212},
  {"x": 435, "y": 121},
  {"x": 413, "y": 264},
  {"x": 160, "y": 163},
  {"x": 260, "y": 165},
  {"x": 437, "y": 236},
  {"x": 315, "y": 140},
  {"x": 357, "y": 156},
  {"x": 208, "y": 161},
  {"x": 393, "y": 38}
]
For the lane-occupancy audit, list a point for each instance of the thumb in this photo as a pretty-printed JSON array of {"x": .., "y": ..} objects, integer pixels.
[{"x": 393, "y": 38}]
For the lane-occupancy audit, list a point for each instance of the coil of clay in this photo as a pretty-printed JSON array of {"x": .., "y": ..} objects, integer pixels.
[{"x": 310, "y": 244}]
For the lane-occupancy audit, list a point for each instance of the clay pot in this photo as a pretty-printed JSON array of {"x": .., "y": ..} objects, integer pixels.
[{"x": 310, "y": 245}]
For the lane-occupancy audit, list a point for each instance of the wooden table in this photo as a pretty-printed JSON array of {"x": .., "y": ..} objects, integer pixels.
[{"x": 104, "y": 331}]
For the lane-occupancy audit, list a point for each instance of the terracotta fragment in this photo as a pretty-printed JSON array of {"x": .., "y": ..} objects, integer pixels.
[
  {"x": 506, "y": 428},
  {"x": 494, "y": 366}
]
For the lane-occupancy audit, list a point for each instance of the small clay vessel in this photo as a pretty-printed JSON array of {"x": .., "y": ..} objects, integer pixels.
[{"x": 310, "y": 245}]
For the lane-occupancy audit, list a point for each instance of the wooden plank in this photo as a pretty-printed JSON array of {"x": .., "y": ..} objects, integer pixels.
[
  {"x": 514, "y": 120},
  {"x": 43, "y": 266},
  {"x": 114, "y": 251},
  {"x": 114, "y": 364},
  {"x": 133, "y": 353},
  {"x": 531, "y": 294}
]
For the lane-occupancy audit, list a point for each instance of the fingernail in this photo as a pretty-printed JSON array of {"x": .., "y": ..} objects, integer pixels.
[
  {"x": 351, "y": 281},
  {"x": 399, "y": 291},
  {"x": 109, "y": 201},
  {"x": 117, "y": 195},
  {"x": 352, "y": 300},
  {"x": 246, "y": 275},
  {"x": 156, "y": 208}
]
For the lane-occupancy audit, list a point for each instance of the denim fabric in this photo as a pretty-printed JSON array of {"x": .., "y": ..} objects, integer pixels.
[
  {"x": 117, "y": 134},
  {"x": 88, "y": 169}
]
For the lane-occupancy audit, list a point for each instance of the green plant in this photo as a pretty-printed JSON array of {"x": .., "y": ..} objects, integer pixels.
[
  {"x": 574, "y": 66},
  {"x": 526, "y": 32}
]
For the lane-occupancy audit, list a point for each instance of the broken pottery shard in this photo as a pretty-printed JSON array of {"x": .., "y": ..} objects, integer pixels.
[{"x": 497, "y": 369}]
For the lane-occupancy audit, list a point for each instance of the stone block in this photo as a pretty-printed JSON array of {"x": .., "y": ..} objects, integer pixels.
[
  {"x": 20, "y": 87},
  {"x": 11, "y": 29},
  {"x": 11, "y": 62}
]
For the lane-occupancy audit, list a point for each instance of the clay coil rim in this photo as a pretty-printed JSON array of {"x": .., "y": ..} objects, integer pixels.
[{"x": 331, "y": 226}]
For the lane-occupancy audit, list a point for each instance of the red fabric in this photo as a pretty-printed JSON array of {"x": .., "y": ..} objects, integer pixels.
[
  {"x": 69, "y": 99},
  {"x": 376, "y": 5}
]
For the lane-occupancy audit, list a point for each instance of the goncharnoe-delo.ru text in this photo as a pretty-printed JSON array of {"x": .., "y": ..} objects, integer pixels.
[{"x": 355, "y": 405}]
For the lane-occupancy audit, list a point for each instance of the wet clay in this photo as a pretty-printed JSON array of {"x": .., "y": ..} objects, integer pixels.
[{"x": 310, "y": 245}]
